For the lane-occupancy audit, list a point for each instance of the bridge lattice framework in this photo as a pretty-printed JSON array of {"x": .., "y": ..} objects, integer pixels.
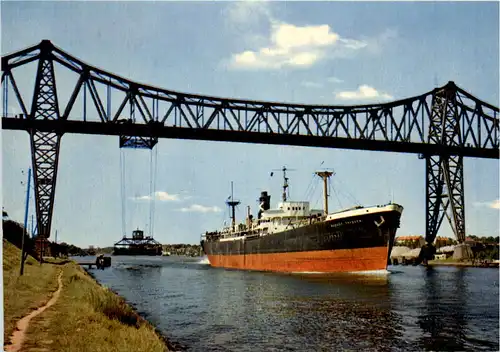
[{"x": 442, "y": 126}]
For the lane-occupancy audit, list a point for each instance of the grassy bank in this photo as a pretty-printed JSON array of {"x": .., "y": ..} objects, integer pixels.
[
  {"x": 24, "y": 293},
  {"x": 86, "y": 317}
]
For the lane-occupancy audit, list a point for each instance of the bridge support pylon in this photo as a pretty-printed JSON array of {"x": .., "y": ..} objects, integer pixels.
[
  {"x": 444, "y": 173},
  {"x": 45, "y": 145},
  {"x": 445, "y": 189}
]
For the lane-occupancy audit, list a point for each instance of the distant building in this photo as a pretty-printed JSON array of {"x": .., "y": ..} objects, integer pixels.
[
  {"x": 440, "y": 256},
  {"x": 473, "y": 242},
  {"x": 446, "y": 249},
  {"x": 410, "y": 241},
  {"x": 443, "y": 241}
]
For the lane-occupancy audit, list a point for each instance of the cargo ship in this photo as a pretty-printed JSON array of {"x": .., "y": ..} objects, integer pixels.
[
  {"x": 138, "y": 244},
  {"x": 295, "y": 238}
]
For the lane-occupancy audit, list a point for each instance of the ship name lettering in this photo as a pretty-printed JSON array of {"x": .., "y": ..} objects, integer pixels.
[{"x": 331, "y": 237}]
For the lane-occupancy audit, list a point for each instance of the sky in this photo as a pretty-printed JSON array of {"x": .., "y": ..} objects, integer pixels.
[{"x": 314, "y": 53}]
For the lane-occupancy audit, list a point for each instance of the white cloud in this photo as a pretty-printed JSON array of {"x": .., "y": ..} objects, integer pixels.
[
  {"x": 288, "y": 36},
  {"x": 334, "y": 80},
  {"x": 294, "y": 46},
  {"x": 495, "y": 204},
  {"x": 200, "y": 209},
  {"x": 310, "y": 84},
  {"x": 161, "y": 196},
  {"x": 364, "y": 92},
  {"x": 286, "y": 44},
  {"x": 247, "y": 12},
  {"x": 377, "y": 44},
  {"x": 353, "y": 44}
]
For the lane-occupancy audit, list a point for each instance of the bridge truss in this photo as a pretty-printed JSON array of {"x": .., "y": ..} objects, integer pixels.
[{"x": 442, "y": 126}]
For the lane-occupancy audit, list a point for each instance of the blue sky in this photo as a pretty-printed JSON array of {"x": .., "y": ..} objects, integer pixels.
[{"x": 318, "y": 53}]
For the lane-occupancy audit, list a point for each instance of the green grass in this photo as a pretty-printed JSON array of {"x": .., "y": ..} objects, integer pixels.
[
  {"x": 86, "y": 317},
  {"x": 58, "y": 261},
  {"x": 22, "y": 294}
]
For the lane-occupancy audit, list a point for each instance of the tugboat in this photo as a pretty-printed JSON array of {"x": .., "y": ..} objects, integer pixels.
[
  {"x": 295, "y": 238},
  {"x": 137, "y": 245}
]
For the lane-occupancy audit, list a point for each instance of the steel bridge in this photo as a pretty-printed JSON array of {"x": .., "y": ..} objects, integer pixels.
[{"x": 442, "y": 126}]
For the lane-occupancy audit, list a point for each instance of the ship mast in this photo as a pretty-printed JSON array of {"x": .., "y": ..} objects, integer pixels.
[
  {"x": 285, "y": 183},
  {"x": 325, "y": 175},
  {"x": 232, "y": 203}
]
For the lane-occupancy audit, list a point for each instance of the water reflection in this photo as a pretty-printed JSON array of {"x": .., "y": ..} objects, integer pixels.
[
  {"x": 324, "y": 313},
  {"x": 443, "y": 316},
  {"x": 348, "y": 312},
  {"x": 211, "y": 309}
]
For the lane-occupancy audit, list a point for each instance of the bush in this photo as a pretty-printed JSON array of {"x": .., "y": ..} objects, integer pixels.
[
  {"x": 113, "y": 307},
  {"x": 13, "y": 232}
]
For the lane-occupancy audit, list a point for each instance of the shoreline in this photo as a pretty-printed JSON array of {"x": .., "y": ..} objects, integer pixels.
[
  {"x": 83, "y": 316},
  {"x": 462, "y": 264},
  {"x": 171, "y": 345}
]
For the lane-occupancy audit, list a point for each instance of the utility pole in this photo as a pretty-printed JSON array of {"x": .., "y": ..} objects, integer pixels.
[
  {"x": 25, "y": 221},
  {"x": 325, "y": 175},
  {"x": 32, "y": 234}
]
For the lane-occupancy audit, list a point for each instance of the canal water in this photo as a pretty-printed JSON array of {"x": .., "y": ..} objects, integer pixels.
[{"x": 408, "y": 309}]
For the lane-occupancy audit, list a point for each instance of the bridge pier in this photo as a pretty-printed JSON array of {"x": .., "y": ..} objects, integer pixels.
[
  {"x": 444, "y": 173},
  {"x": 45, "y": 145}
]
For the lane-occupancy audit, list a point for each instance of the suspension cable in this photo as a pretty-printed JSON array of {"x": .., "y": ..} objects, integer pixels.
[
  {"x": 155, "y": 181},
  {"x": 151, "y": 194},
  {"x": 122, "y": 188}
]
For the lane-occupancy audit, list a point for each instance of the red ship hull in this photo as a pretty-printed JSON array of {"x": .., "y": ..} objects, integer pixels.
[{"x": 324, "y": 261}]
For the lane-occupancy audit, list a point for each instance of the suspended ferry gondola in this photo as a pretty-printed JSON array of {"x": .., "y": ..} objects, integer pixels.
[{"x": 138, "y": 243}]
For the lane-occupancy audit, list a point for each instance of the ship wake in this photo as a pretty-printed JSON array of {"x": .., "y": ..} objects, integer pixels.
[
  {"x": 366, "y": 272},
  {"x": 372, "y": 272},
  {"x": 203, "y": 261}
]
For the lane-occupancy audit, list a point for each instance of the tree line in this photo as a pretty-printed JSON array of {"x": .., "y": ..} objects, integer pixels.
[{"x": 14, "y": 232}]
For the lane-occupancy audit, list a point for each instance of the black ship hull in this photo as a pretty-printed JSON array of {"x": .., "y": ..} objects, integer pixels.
[{"x": 359, "y": 242}]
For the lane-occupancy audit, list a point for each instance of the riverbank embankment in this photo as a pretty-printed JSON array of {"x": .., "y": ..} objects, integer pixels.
[
  {"x": 466, "y": 264},
  {"x": 84, "y": 317}
]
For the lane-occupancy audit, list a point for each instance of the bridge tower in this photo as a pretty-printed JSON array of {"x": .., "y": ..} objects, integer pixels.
[
  {"x": 44, "y": 145},
  {"x": 444, "y": 173}
]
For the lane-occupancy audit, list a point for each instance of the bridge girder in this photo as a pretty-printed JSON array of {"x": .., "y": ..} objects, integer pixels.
[{"x": 444, "y": 125}]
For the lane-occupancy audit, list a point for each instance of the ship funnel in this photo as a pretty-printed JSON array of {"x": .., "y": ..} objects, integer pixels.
[{"x": 265, "y": 203}]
